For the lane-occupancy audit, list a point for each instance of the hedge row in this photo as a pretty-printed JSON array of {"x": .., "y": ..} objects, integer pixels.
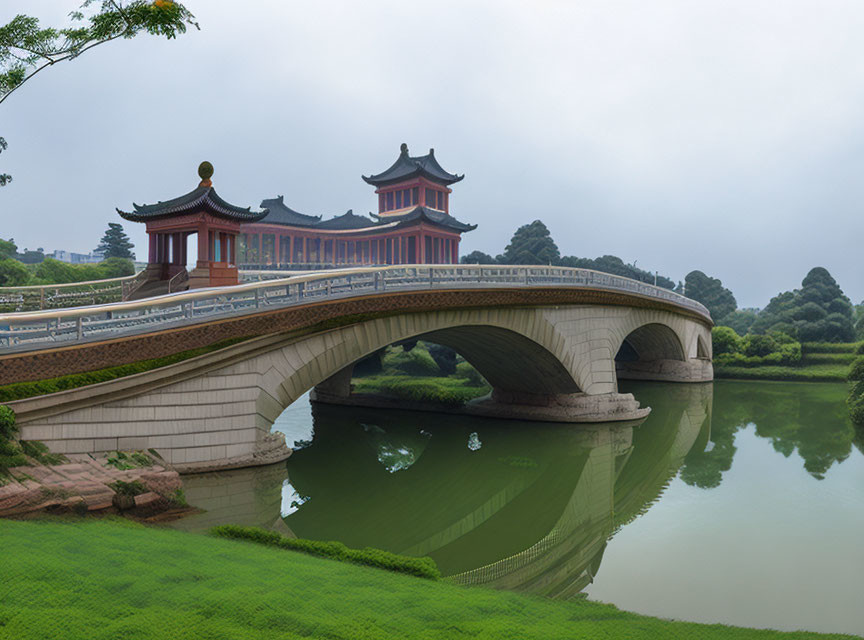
[
  {"x": 828, "y": 358},
  {"x": 21, "y": 390},
  {"x": 789, "y": 356},
  {"x": 420, "y": 567},
  {"x": 786, "y": 374},
  {"x": 832, "y": 347},
  {"x": 445, "y": 391}
]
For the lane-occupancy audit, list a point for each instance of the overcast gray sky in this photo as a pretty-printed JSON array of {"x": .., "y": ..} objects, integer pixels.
[{"x": 714, "y": 135}]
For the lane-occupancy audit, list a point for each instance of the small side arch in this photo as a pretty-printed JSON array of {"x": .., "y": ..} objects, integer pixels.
[{"x": 653, "y": 341}]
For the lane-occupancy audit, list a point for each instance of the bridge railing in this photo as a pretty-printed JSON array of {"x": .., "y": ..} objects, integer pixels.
[
  {"x": 48, "y": 328},
  {"x": 62, "y": 296}
]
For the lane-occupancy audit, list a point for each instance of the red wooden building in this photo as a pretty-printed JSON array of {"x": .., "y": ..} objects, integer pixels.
[
  {"x": 202, "y": 212},
  {"x": 413, "y": 225}
]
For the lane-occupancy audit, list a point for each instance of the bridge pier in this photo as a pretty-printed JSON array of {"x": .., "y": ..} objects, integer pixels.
[{"x": 558, "y": 407}]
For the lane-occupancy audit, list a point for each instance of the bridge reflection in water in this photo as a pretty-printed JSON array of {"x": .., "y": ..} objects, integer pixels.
[{"x": 513, "y": 505}]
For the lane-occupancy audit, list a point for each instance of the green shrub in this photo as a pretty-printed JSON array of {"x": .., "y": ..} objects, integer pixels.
[
  {"x": 8, "y": 427},
  {"x": 786, "y": 355},
  {"x": 420, "y": 567},
  {"x": 416, "y": 362},
  {"x": 467, "y": 372},
  {"x": 725, "y": 340},
  {"x": 13, "y": 273},
  {"x": 134, "y": 488},
  {"x": 859, "y": 350},
  {"x": 446, "y": 391},
  {"x": 132, "y": 460},
  {"x": 39, "y": 452},
  {"x": 759, "y": 345},
  {"x": 856, "y": 371}
]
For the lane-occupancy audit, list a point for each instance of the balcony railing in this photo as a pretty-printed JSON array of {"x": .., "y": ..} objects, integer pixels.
[{"x": 49, "y": 328}]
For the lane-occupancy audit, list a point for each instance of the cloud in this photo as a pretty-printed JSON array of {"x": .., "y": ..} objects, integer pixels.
[{"x": 717, "y": 136}]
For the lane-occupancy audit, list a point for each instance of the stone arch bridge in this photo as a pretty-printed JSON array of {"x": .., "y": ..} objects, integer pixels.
[{"x": 552, "y": 342}]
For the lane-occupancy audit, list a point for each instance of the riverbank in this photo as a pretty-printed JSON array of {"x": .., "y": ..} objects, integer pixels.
[
  {"x": 136, "y": 483},
  {"x": 109, "y": 579},
  {"x": 820, "y": 362}
]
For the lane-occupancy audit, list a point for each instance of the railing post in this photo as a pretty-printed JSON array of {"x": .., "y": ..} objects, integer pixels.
[
  {"x": 79, "y": 327},
  {"x": 257, "y": 298},
  {"x": 376, "y": 274},
  {"x": 431, "y": 277},
  {"x": 301, "y": 287},
  {"x": 188, "y": 306},
  {"x": 41, "y": 297}
]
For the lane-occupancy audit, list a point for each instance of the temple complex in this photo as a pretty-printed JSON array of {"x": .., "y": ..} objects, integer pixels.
[{"x": 413, "y": 225}]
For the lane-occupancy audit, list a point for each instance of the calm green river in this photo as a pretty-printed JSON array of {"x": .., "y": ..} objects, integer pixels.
[{"x": 740, "y": 503}]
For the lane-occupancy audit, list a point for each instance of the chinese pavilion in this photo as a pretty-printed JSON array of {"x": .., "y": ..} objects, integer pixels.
[
  {"x": 202, "y": 212},
  {"x": 413, "y": 224}
]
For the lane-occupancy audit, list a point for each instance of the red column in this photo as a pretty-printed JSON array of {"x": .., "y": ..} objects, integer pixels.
[
  {"x": 276, "y": 246},
  {"x": 151, "y": 253},
  {"x": 202, "y": 245}
]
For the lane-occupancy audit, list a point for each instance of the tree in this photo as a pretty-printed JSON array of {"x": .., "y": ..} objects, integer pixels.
[
  {"x": 817, "y": 312},
  {"x": 115, "y": 243},
  {"x": 710, "y": 292},
  {"x": 531, "y": 244},
  {"x": 725, "y": 340},
  {"x": 8, "y": 249},
  {"x": 741, "y": 320},
  {"x": 13, "y": 273},
  {"x": 477, "y": 257},
  {"x": 26, "y": 48},
  {"x": 859, "y": 321},
  {"x": 616, "y": 266}
]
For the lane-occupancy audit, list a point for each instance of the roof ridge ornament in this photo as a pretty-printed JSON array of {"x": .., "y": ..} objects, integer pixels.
[
  {"x": 205, "y": 172},
  {"x": 403, "y": 149}
]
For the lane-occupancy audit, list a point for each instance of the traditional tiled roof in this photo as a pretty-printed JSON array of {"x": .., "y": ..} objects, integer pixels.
[
  {"x": 346, "y": 221},
  {"x": 407, "y": 167},
  {"x": 282, "y": 214},
  {"x": 204, "y": 198},
  {"x": 430, "y": 215}
]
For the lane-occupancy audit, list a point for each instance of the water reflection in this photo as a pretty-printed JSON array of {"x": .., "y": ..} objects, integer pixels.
[
  {"x": 809, "y": 418},
  {"x": 530, "y": 509}
]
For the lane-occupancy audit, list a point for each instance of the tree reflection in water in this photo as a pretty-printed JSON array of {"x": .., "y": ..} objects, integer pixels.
[{"x": 810, "y": 418}]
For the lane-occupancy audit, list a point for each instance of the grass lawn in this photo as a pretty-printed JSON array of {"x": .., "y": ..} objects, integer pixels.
[{"x": 107, "y": 579}]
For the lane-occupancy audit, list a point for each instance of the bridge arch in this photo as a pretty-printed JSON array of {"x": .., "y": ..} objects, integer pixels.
[
  {"x": 545, "y": 362},
  {"x": 653, "y": 341}
]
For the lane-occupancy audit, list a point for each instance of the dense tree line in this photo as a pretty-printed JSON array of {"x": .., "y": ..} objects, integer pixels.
[
  {"x": 32, "y": 268},
  {"x": 533, "y": 244}
]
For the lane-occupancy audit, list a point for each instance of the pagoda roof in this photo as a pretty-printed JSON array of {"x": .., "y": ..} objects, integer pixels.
[
  {"x": 434, "y": 216},
  {"x": 346, "y": 221},
  {"x": 279, "y": 213},
  {"x": 204, "y": 198},
  {"x": 407, "y": 166}
]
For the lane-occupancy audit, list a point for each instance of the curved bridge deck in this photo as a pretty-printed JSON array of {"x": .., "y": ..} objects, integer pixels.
[{"x": 31, "y": 331}]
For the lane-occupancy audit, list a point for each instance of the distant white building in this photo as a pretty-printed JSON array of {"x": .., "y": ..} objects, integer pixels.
[{"x": 77, "y": 258}]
